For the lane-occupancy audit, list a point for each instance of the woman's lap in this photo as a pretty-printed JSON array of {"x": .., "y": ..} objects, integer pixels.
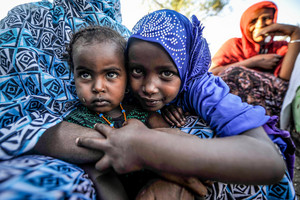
[{"x": 256, "y": 88}]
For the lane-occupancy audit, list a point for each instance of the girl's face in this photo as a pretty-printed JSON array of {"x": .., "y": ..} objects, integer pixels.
[
  {"x": 153, "y": 76},
  {"x": 261, "y": 18},
  {"x": 100, "y": 76}
]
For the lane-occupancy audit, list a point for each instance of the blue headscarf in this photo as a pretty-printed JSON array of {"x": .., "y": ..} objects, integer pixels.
[
  {"x": 180, "y": 37},
  {"x": 201, "y": 92}
]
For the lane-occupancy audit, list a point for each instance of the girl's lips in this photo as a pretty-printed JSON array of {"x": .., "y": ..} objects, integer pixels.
[
  {"x": 100, "y": 102},
  {"x": 150, "y": 102}
]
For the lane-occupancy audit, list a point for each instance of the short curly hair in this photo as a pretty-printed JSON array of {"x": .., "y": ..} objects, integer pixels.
[{"x": 92, "y": 34}]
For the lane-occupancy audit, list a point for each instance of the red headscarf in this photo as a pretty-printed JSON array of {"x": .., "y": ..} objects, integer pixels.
[{"x": 238, "y": 49}]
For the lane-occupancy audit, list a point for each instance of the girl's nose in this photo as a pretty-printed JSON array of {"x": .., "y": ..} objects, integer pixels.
[
  {"x": 98, "y": 86},
  {"x": 149, "y": 87}
]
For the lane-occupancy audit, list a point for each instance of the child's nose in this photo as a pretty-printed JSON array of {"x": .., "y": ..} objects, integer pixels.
[
  {"x": 150, "y": 87},
  {"x": 98, "y": 86}
]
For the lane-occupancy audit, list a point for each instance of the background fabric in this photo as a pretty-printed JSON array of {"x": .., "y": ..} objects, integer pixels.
[{"x": 36, "y": 88}]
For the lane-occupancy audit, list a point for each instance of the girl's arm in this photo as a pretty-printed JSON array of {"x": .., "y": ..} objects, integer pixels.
[
  {"x": 248, "y": 158},
  {"x": 59, "y": 142}
]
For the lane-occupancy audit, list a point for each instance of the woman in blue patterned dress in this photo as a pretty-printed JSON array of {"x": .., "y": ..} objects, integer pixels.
[{"x": 37, "y": 91}]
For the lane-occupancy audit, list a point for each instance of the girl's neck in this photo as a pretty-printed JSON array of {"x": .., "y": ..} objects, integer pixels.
[{"x": 114, "y": 113}]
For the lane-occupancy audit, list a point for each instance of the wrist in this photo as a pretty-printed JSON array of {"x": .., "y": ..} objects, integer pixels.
[{"x": 294, "y": 41}]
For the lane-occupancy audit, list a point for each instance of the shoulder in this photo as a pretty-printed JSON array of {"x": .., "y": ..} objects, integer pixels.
[
  {"x": 82, "y": 116},
  {"x": 136, "y": 112},
  {"x": 232, "y": 42}
]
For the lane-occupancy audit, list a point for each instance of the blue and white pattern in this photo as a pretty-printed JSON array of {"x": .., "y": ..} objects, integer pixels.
[
  {"x": 282, "y": 190},
  {"x": 42, "y": 177},
  {"x": 36, "y": 88},
  {"x": 37, "y": 91}
]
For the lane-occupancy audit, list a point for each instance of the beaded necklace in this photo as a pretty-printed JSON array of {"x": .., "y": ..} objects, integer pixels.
[{"x": 110, "y": 123}]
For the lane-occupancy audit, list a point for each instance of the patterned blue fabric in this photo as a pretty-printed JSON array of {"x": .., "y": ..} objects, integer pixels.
[
  {"x": 42, "y": 177},
  {"x": 282, "y": 190},
  {"x": 201, "y": 92},
  {"x": 37, "y": 91},
  {"x": 36, "y": 88}
]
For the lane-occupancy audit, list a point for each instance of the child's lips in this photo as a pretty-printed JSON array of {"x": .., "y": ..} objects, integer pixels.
[
  {"x": 151, "y": 102},
  {"x": 100, "y": 102}
]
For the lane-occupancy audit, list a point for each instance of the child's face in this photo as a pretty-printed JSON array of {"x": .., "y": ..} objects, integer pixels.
[
  {"x": 260, "y": 19},
  {"x": 100, "y": 76},
  {"x": 153, "y": 76}
]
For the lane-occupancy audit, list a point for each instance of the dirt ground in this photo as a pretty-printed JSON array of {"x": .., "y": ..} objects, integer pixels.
[{"x": 296, "y": 138}]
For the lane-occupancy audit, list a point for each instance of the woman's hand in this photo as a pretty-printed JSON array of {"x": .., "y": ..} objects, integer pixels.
[
  {"x": 119, "y": 153},
  {"x": 293, "y": 48},
  {"x": 280, "y": 30},
  {"x": 264, "y": 61}
]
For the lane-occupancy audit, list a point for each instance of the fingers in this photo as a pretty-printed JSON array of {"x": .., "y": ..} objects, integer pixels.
[
  {"x": 174, "y": 115},
  {"x": 103, "y": 129},
  {"x": 103, "y": 164},
  {"x": 197, "y": 186},
  {"x": 194, "y": 184},
  {"x": 91, "y": 143}
]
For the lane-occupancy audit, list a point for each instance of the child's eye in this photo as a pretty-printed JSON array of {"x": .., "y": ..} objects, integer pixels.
[
  {"x": 167, "y": 74},
  {"x": 136, "y": 71},
  {"x": 85, "y": 75},
  {"x": 112, "y": 75}
]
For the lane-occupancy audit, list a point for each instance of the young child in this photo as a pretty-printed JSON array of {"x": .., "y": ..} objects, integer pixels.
[
  {"x": 168, "y": 61},
  {"x": 96, "y": 57}
]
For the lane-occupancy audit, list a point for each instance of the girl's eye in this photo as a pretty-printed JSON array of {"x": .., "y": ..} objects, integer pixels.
[
  {"x": 85, "y": 75},
  {"x": 112, "y": 75},
  {"x": 167, "y": 74},
  {"x": 136, "y": 71}
]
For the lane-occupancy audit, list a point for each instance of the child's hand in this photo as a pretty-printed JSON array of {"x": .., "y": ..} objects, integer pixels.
[
  {"x": 173, "y": 115},
  {"x": 191, "y": 183}
]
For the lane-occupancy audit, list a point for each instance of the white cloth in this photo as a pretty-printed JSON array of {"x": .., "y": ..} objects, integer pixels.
[{"x": 286, "y": 110}]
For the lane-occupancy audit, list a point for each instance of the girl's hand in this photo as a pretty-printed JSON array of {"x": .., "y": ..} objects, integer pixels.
[
  {"x": 118, "y": 151},
  {"x": 173, "y": 115},
  {"x": 192, "y": 183}
]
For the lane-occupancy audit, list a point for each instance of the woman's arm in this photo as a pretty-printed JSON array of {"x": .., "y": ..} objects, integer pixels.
[
  {"x": 59, "y": 142},
  {"x": 249, "y": 158},
  {"x": 293, "y": 48},
  {"x": 264, "y": 61}
]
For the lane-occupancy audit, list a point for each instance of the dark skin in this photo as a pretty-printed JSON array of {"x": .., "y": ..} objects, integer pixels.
[
  {"x": 159, "y": 151},
  {"x": 57, "y": 142}
]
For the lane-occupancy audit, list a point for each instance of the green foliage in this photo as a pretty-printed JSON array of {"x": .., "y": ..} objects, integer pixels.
[{"x": 202, "y": 8}]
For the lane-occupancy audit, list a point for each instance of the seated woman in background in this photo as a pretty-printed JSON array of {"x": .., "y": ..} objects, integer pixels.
[{"x": 256, "y": 67}]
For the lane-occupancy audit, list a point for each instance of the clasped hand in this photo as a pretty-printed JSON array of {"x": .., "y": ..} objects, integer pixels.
[{"x": 122, "y": 153}]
